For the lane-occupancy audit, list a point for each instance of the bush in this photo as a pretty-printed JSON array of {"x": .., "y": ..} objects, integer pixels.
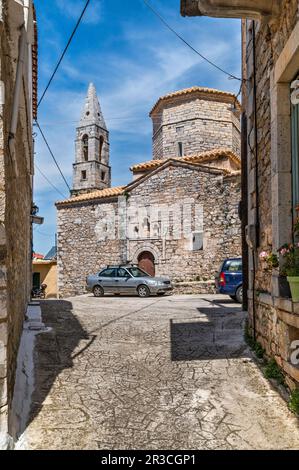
[
  {"x": 294, "y": 401},
  {"x": 257, "y": 348},
  {"x": 272, "y": 371}
]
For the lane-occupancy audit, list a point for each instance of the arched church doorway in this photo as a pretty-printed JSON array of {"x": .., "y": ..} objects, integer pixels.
[{"x": 146, "y": 261}]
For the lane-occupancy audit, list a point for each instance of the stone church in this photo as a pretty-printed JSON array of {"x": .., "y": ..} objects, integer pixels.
[{"x": 179, "y": 214}]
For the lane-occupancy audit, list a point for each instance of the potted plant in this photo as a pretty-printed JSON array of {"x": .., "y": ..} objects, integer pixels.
[
  {"x": 270, "y": 260},
  {"x": 290, "y": 268}
]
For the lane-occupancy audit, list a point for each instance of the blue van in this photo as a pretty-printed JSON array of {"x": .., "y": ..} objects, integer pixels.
[{"x": 229, "y": 279}]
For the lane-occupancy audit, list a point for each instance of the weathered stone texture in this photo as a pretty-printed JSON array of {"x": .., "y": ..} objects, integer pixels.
[
  {"x": 199, "y": 123},
  {"x": 15, "y": 204},
  {"x": 83, "y": 249},
  {"x": 271, "y": 37},
  {"x": 80, "y": 250}
]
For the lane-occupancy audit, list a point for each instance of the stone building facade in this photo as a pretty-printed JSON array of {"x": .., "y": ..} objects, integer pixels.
[
  {"x": 191, "y": 121},
  {"x": 18, "y": 88},
  {"x": 271, "y": 129},
  {"x": 166, "y": 219}
]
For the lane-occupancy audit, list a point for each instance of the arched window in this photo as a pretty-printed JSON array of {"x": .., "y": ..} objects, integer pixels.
[
  {"x": 85, "y": 147},
  {"x": 101, "y": 147}
]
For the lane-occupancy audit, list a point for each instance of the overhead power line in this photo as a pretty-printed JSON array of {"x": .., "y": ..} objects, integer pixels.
[
  {"x": 44, "y": 234},
  {"x": 230, "y": 75},
  {"x": 50, "y": 183},
  {"x": 52, "y": 155},
  {"x": 64, "y": 51}
]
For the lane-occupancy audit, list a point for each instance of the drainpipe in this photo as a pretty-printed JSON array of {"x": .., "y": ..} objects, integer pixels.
[
  {"x": 26, "y": 12},
  {"x": 244, "y": 172},
  {"x": 257, "y": 211},
  {"x": 23, "y": 43},
  {"x": 16, "y": 98}
]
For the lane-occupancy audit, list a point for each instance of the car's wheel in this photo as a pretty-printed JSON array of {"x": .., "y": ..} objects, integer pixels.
[
  {"x": 239, "y": 294},
  {"x": 234, "y": 298},
  {"x": 98, "y": 291},
  {"x": 143, "y": 291}
]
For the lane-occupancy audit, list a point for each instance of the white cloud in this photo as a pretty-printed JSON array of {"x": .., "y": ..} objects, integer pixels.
[{"x": 73, "y": 9}]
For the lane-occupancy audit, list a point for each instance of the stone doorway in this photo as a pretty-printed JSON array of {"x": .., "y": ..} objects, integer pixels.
[{"x": 146, "y": 261}]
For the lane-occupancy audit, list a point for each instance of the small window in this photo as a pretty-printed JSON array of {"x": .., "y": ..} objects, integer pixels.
[
  {"x": 233, "y": 266},
  {"x": 180, "y": 149},
  {"x": 83, "y": 175},
  {"x": 85, "y": 147},
  {"x": 197, "y": 241},
  {"x": 103, "y": 174},
  {"x": 295, "y": 155},
  {"x": 110, "y": 272},
  {"x": 101, "y": 147},
  {"x": 122, "y": 273}
]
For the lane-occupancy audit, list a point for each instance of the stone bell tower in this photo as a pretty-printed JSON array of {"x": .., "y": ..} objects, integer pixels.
[{"x": 91, "y": 168}]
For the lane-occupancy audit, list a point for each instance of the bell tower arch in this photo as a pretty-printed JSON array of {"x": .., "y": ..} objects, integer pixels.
[{"x": 91, "y": 169}]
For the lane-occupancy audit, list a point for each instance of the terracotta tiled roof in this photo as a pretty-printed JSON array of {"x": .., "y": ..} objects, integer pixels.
[
  {"x": 200, "y": 158},
  {"x": 197, "y": 90},
  {"x": 98, "y": 194}
]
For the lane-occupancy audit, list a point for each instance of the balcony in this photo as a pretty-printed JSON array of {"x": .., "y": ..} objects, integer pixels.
[{"x": 255, "y": 9}]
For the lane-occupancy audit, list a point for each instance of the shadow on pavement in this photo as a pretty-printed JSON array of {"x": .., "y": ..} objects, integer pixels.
[
  {"x": 218, "y": 334},
  {"x": 54, "y": 351}
]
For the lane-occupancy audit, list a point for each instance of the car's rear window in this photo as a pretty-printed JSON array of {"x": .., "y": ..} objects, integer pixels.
[{"x": 233, "y": 265}]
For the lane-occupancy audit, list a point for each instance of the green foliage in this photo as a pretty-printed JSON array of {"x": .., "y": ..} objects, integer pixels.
[
  {"x": 293, "y": 271},
  {"x": 259, "y": 350},
  {"x": 254, "y": 345},
  {"x": 272, "y": 371},
  {"x": 290, "y": 254},
  {"x": 273, "y": 260},
  {"x": 269, "y": 259},
  {"x": 294, "y": 401}
]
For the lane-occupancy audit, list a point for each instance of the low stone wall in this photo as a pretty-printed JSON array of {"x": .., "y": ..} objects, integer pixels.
[
  {"x": 195, "y": 287},
  {"x": 277, "y": 330}
]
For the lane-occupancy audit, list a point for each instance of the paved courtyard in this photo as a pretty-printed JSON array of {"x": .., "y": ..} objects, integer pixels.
[{"x": 155, "y": 373}]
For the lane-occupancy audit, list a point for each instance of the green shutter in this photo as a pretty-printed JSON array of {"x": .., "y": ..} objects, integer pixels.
[{"x": 295, "y": 155}]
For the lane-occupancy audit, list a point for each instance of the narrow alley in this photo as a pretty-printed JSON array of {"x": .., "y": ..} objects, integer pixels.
[{"x": 155, "y": 373}]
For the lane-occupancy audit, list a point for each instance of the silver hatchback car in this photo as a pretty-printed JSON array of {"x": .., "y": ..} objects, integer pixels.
[{"x": 127, "y": 279}]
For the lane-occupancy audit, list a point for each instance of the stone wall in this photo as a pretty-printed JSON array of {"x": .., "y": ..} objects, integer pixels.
[
  {"x": 81, "y": 247},
  {"x": 200, "y": 122},
  {"x": 270, "y": 201},
  {"x": 16, "y": 172},
  {"x": 176, "y": 201}
]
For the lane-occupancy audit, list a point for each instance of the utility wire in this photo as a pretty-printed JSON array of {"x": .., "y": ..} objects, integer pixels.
[
  {"x": 50, "y": 183},
  {"x": 52, "y": 155},
  {"x": 231, "y": 76},
  {"x": 44, "y": 234},
  {"x": 64, "y": 51}
]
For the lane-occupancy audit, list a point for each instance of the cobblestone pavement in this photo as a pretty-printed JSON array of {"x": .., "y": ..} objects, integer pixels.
[{"x": 155, "y": 373}]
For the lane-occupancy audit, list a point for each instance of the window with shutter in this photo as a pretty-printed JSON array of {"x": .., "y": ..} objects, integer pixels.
[{"x": 295, "y": 155}]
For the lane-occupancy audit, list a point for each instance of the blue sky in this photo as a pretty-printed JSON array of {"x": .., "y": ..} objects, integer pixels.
[{"x": 132, "y": 59}]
